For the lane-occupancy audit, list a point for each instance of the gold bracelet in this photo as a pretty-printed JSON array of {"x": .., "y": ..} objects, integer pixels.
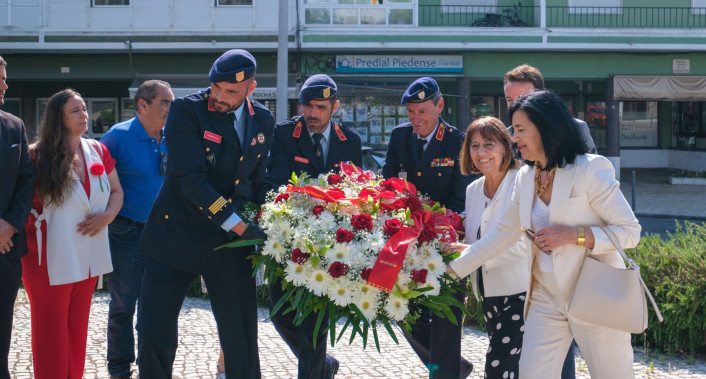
[{"x": 581, "y": 237}]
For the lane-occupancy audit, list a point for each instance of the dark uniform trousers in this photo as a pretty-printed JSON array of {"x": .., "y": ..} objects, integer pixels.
[
  {"x": 293, "y": 151},
  {"x": 436, "y": 173},
  {"x": 16, "y": 190},
  {"x": 209, "y": 176}
]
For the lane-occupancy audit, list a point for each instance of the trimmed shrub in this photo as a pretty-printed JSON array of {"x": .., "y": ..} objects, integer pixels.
[{"x": 675, "y": 272}]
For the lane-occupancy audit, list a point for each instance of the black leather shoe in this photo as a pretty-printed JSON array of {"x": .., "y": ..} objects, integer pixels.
[
  {"x": 466, "y": 368},
  {"x": 331, "y": 367}
]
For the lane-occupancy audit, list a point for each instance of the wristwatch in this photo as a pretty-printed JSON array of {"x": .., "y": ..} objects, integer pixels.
[{"x": 581, "y": 237}]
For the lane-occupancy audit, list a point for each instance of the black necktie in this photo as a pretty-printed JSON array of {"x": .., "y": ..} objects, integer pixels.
[
  {"x": 319, "y": 150},
  {"x": 420, "y": 146},
  {"x": 231, "y": 116}
]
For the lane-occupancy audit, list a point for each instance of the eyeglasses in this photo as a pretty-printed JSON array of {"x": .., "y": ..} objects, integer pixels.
[{"x": 162, "y": 163}]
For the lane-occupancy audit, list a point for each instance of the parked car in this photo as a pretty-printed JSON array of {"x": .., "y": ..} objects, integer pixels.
[
  {"x": 595, "y": 116},
  {"x": 373, "y": 160}
]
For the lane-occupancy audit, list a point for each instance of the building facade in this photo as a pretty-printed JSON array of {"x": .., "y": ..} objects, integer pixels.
[{"x": 634, "y": 70}]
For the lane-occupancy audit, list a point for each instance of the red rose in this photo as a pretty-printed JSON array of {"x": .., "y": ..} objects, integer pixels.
[
  {"x": 337, "y": 269},
  {"x": 282, "y": 197},
  {"x": 362, "y": 221},
  {"x": 365, "y": 274},
  {"x": 334, "y": 179},
  {"x": 97, "y": 169},
  {"x": 318, "y": 210},
  {"x": 413, "y": 203},
  {"x": 343, "y": 235},
  {"x": 391, "y": 227},
  {"x": 258, "y": 216},
  {"x": 299, "y": 257},
  {"x": 419, "y": 276},
  {"x": 426, "y": 235}
]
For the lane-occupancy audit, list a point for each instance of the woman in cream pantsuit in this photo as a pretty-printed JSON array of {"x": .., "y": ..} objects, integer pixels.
[{"x": 566, "y": 196}]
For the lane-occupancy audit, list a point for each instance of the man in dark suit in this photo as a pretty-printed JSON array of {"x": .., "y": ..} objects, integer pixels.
[
  {"x": 315, "y": 144},
  {"x": 218, "y": 141},
  {"x": 426, "y": 151},
  {"x": 16, "y": 190}
]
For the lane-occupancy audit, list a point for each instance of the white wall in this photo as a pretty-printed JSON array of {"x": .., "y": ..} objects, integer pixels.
[{"x": 679, "y": 159}]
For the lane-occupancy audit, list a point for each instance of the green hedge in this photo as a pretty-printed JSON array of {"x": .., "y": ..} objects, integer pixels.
[{"x": 675, "y": 272}]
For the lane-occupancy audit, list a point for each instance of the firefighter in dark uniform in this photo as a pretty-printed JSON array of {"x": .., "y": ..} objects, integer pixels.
[
  {"x": 315, "y": 144},
  {"x": 218, "y": 142},
  {"x": 425, "y": 151}
]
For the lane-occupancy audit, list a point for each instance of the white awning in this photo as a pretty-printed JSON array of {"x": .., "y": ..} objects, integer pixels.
[{"x": 675, "y": 88}]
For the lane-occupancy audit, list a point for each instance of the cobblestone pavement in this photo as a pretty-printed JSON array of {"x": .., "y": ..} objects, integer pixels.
[
  {"x": 654, "y": 196},
  {"x": 198, "y": 350}
]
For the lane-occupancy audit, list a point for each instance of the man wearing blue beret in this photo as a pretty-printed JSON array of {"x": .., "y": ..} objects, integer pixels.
[
  {"x": 425, "y": 151},
  {"x": 218, "y": 142},
  {"x": 314, "y": 144}
]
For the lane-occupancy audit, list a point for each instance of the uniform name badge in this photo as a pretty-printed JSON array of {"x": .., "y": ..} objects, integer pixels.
[{"x": 402, "y": 174}]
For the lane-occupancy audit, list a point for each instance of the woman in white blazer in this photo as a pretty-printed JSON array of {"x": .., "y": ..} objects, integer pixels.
[
  {"x": 77, "y": 194},
  {"x": 501, "y": 281},
  {"x": 566, "y": 196}
]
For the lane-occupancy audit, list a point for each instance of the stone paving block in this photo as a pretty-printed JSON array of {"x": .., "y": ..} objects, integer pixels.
[{"x": 198, "y": 350}]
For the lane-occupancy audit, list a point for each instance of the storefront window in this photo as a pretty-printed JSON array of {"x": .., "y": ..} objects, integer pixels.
[
  {"x": 595, "y": 118},
  {"x": 688, "y": 118},
  {"x": 483, "y": 106},
  {"x": 638, "y": 124},
  {"x": 358, "y": 12}
]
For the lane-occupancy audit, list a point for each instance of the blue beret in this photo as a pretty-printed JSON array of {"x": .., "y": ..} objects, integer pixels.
[
  {"x": 317, "y": 87},
  {"x": 233, "y": 66},
  {"x": 420, "y": 90}
]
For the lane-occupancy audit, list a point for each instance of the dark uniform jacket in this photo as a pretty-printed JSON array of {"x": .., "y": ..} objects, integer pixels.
[
  {"x": 293, "y": 151},
  {"x": 208, "y": 178},
  {"x": 437, "y": 173},
  {"x": 16, "y": 180}
]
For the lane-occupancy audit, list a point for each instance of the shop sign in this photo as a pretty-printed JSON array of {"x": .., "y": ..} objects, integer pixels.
[
  {"x": 681, "y": 66},
  {"x": 399, "y": 63},
  {"x": 271, "y": 93}
]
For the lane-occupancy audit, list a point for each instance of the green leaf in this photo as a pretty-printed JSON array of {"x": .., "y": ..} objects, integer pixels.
[
  {"x": 241, "y": 243},
  {"x": 281, "y": 301},
  {"x": 375, "y": 336},
  {"x": 435, "y": 207},
  {"x": 332, "y": 322},
  {"x": 391, "y": 331},
  {"x": 315, "y": 260},
  {"x": 412, "y": 294},
  {"x": 426, "y": 207},
  {"x": 345, "y": 326},
  {"x": 442, "y": 299},
  {"x": 446, "y": 258},
  {"x": 293, "y": 179},
  {"x": 319, "y": 320},
  {"x": 364, "y": 334},
  {"x": 322, "y": 250}
]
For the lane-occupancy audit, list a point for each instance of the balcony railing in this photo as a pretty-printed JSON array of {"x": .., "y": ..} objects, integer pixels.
[{"x": 562, "y": 16}]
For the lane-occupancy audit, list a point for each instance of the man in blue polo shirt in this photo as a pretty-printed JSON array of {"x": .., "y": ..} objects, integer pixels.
[{"x": 138, "y": 147}]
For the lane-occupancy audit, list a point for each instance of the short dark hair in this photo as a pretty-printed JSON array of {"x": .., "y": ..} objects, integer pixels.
[
  {"x": 2, "y": 62},
  {"x": 149, "y": 90},
  {"x": 560, "y": 136},
  {"x": 490, "y": 128},
  {"x": 527, "y": 74}
]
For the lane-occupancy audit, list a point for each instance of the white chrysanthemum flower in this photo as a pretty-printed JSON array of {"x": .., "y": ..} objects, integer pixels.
[
  {"x": 274, "y": 247},
  {"x": 403, "y": 278},
  {"x": 412, "y": 258},
  {"x": 365, "y": 289},
  {"x": 283, "y": 229},
  {"x": 296, "y": 274},
  {"x": 340, "y": 293},
  {"x": 425, "y": 252},
  {"x": 318, "y": 281},
  {"x": 368, "y": 305},
  {"x": 327, "y": 221},
  {"x": 339, "y": 252},
  {"x": 434, "y": 284},
  {"x": 376, "y": 239},
  {"x": 435, "y": 265},
  {"x": 396, "y": 307}
]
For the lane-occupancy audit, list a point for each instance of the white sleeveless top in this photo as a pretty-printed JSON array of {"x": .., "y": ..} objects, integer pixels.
[
  {"x": 72, "y": 257},
  {"x": 540, "y": 220}
]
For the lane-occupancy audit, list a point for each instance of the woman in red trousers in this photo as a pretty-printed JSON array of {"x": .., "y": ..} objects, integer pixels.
[{"x": 77, "y": 194}]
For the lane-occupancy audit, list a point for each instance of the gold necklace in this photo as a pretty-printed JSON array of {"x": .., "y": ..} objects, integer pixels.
[{"x": 540, "y": 189}]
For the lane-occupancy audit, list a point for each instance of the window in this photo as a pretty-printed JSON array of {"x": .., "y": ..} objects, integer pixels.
[
  {"x": 638, "y": 124},
  {"x": 220, "y": 3},
  {"x": 698, "y": 7},
  {"x": 358, "y": 12},
  {"x": 595, "y": 6},
  {"x": 110, "y": 2}
]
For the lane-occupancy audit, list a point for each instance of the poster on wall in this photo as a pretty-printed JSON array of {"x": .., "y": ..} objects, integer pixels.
[
  {"x": 346, "y": 113},
  {"x": 375, "y": 125},
  {"x": 361, "y": 113},
  {"x": 390, "y": 124}
]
